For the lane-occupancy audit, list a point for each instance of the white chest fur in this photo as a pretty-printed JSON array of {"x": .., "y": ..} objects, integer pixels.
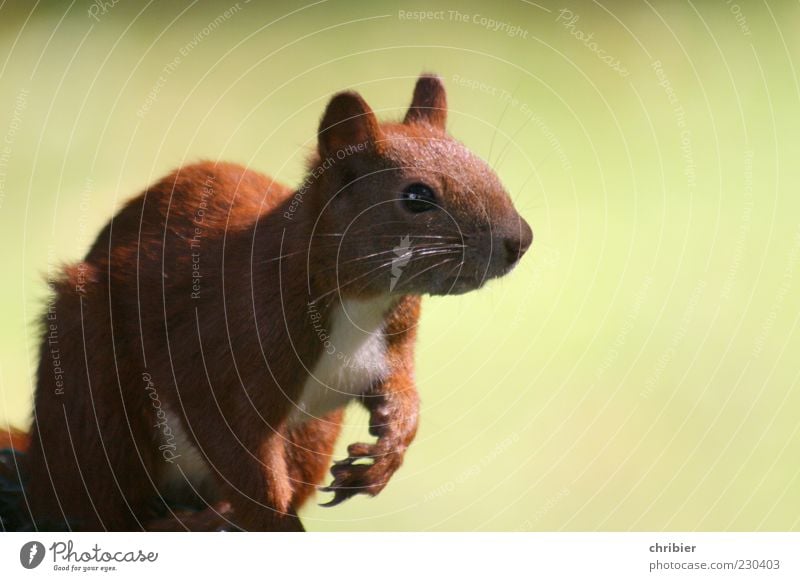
[{"x": 353, "y": 357}]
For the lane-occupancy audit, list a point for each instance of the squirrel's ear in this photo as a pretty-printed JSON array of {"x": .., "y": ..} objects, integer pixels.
[
  {"x": 429, "y": 104},
  {"x": 348, "y": 120}
]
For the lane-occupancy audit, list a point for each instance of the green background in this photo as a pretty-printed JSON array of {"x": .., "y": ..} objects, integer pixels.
[{"x": 638, "y": 371}]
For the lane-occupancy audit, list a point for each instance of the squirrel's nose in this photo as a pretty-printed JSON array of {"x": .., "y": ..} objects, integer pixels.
[{"x": 517, "y": 244}]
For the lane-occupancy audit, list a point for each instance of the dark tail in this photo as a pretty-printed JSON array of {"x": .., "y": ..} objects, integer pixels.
[{"x": 13, "y": 515}]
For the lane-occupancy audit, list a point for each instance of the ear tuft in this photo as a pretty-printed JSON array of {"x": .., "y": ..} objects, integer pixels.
[
  {"x": 429, "y": 104},
  {"x": 347, "y": 121}
]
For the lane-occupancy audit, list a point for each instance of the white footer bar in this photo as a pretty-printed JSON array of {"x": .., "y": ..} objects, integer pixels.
[{"x": 402, "y": 556}]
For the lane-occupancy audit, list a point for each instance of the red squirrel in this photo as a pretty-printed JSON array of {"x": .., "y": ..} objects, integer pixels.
[{"x": 206, "y": 346}]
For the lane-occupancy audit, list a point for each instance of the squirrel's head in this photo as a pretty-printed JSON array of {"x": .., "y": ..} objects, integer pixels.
[{"x": 404, "y": 207}]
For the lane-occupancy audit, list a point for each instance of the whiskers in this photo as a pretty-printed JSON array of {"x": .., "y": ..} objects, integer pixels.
[
  {"x": 401, "y": 259},
  {"x": 355, "y": 266}
]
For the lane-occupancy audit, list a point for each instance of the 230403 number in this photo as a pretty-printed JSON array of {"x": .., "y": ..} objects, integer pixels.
[{"x": 758, "y": 564}]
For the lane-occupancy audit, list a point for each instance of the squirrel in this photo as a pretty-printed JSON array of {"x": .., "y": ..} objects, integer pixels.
[{"x": 206, "y": 346}]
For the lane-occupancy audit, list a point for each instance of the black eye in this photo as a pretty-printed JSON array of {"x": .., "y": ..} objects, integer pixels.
[{"x": 418, "y": 198}]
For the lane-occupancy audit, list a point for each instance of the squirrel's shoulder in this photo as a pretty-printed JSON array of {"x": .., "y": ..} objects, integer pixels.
[{"x": 216, "y": 192}]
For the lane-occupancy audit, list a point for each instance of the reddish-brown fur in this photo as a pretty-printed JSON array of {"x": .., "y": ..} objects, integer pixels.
[
  {"x": 14, "y": 439},
  {"x": 196, "y": 297}
]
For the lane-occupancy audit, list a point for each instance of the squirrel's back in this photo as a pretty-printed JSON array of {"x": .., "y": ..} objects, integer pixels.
[{"x": 195, "y": 206}]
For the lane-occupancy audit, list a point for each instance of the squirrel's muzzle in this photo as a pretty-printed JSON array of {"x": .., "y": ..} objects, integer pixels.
[{"x": 517, "y": 244}]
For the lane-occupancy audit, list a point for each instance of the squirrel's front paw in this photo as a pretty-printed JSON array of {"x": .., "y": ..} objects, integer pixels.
[{"x": 366, "y": 470}]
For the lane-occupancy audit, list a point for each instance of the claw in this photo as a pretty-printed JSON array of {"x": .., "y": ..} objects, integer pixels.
[
  {"x": 348, "y": 480},
  {"x": 356, "y": 452},
  {"x": 366, "y": 470},
  {"x": 361, "y": 450},
  {"x": 340, "y": 493},
  {"x": 338, "y": 497}
]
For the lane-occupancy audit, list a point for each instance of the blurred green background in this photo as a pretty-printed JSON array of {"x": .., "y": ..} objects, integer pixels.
[{"x": 638, "y": 371}]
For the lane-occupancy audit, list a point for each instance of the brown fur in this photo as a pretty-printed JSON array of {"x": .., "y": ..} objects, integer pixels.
[
  {"x": 14, "y": 440},
  {"x": 229, "y": 355}
]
